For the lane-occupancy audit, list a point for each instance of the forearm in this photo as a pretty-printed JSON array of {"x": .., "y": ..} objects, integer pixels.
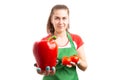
[
  {"x": 82, "y": 61},
  {"x": 82, "y": 65}
]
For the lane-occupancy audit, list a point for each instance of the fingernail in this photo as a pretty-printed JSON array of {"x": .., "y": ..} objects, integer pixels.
[
  {"x": 38, "y": 69},
  {"x": 47, "y": 68},
  {"x": 35, "y": 65},
  {"x": 53, "y": 68},
  {"x": 57, "y": 61}
]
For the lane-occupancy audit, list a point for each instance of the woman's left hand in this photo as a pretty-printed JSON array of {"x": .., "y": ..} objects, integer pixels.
[{"x": 70, "y": 61}]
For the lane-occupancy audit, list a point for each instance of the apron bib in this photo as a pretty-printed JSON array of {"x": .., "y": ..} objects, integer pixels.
[{"x": 63, "y": 72}]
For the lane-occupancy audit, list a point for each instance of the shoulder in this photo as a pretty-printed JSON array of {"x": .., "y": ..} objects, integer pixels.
[
  {"x": 77, "y": 40},
  {"x": 74, "y": 36}
]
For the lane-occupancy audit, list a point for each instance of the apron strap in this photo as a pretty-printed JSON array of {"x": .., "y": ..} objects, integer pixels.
[{"x": 70, "y": 39}]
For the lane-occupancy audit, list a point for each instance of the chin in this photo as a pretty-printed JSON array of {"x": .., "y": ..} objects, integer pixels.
[{"x": 60, "y": 31}]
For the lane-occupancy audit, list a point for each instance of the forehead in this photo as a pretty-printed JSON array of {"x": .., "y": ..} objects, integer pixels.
[{"x": 60, "y": 12}]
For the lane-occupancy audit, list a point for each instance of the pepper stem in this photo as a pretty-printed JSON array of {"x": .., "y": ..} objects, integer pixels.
[{"x": 52, "y": 37}]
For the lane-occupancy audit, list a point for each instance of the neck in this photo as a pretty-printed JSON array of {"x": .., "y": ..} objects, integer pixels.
[
  {"x": 62, "y": 39},
  {"x": 62, "y": 34}
]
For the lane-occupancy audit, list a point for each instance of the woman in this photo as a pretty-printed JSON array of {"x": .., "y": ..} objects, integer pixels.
[{"x": 69, "y": 44}]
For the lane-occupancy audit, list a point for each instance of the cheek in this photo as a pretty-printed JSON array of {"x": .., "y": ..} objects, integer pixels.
[
  {"x": 53, "y": 21},
  {"x": 67, "y": 23}
]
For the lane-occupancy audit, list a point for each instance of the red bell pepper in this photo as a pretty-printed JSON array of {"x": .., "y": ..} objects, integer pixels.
[{"x": 45, "y": 53}]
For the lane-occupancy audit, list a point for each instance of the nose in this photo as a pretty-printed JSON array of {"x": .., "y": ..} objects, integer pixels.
[{"x": 60, "y": 21}]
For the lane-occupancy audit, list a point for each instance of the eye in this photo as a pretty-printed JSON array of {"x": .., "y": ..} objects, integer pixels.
[
  {"x": 64, "y": 18},
  {"x": 56, "y": 18}
]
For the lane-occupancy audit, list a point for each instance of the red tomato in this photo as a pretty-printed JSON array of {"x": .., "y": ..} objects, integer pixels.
[
  {"x": 66, "y": 60},
  {"x": 74, "y": 58}
]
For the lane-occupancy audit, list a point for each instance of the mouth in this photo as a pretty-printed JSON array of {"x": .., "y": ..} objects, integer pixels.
[{"x": 60, "y": 26}]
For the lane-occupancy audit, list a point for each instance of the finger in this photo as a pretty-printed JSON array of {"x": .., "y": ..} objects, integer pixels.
[
  {"x": 47, "y": 72},
  {"x": 39, "y": 71},
  {"x": 69, "y": 66},
  {"x": 57, "y": 61},
  {"x": 53, "y": 71},
  {"x": 73, "y": 63},
  {"x": 35, "y": 65}
]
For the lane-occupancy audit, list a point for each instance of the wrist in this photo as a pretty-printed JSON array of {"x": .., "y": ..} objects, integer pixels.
[{"x": 78, "y": 63}]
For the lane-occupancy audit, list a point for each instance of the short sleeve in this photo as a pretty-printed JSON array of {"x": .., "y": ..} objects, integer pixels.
[{"x": 77, "y": 39}]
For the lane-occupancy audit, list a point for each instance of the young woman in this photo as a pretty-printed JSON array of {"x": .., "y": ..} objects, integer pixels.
[{"x": 69, "y": 44}]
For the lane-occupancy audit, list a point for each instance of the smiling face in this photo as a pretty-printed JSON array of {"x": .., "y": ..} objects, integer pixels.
[{"x": 60, "y": 20}]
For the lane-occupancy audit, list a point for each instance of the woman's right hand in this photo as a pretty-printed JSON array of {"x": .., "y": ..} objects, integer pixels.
[{"x": 46, "y": 72}]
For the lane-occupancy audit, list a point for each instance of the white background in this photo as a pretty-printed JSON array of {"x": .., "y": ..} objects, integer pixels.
[{"x": 22, "y": 22}]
